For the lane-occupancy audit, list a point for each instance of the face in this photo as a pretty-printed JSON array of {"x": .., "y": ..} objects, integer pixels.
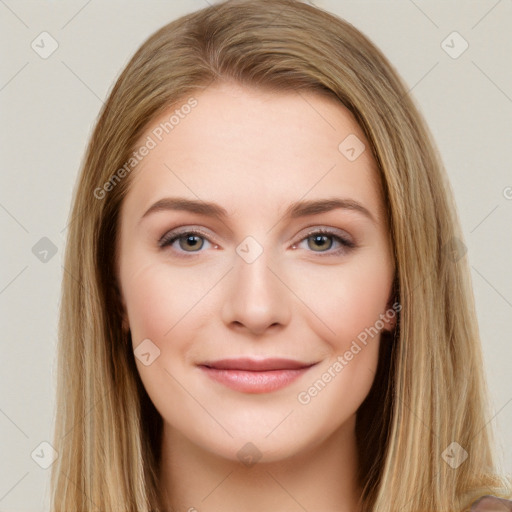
[{"x": 254, "y": 288}]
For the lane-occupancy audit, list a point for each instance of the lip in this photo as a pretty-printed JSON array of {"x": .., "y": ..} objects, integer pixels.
[{"x": 255, "y": 376}]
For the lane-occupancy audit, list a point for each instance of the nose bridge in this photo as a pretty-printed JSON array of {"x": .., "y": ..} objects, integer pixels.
[{"x": 256, "y": 297}]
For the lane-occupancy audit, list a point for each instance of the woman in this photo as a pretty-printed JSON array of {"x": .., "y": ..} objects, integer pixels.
[{"x": 211, "y": 357}]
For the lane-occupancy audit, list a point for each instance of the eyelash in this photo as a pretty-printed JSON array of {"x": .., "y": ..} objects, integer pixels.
[{"x": 169, "y": 238}]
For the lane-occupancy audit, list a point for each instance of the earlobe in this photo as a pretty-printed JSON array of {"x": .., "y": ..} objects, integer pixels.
[
  {"x": 391, "y": 313},
  {"x": 392, "y": 310},
  {"x": 125, "y": 324},
  {"x": 390, "y": 321}
]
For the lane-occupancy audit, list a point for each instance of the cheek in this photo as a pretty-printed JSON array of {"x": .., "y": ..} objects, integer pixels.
[
  {"x": 347, "y": 317},
  {"x": 159, "y": 299},
  {"x": 346, "y": 302},
  {"x": 163, "y": 305}
]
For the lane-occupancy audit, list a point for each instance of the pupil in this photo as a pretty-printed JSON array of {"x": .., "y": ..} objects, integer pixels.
[
  {"x": 192, "y": 240},
  {"x": 319, "y": 239}
]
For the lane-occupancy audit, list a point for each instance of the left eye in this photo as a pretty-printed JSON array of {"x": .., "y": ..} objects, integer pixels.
[{"x": 320, "y": 239}]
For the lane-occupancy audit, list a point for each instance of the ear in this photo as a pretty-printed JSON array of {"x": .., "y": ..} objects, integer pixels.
[
  {"x": 391, "y": 313},
  {"x": 125, "y": 324},
  {"x": 390, "y": 316}
]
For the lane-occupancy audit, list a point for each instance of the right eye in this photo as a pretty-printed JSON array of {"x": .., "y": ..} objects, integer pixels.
[{"x": 189, "y": 241}]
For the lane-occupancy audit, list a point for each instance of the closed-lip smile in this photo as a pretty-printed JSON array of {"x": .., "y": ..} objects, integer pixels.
[{"x": 255, "y": 375}]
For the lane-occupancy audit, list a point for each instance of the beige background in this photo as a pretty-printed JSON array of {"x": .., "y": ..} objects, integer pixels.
[{"x": 48, "y": 109}]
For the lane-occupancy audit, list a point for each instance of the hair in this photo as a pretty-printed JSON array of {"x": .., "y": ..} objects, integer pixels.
[{"x": 429, "y": 390}]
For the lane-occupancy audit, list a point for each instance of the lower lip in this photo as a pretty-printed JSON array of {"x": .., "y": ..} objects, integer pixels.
[{"x": 255, "y": 381}]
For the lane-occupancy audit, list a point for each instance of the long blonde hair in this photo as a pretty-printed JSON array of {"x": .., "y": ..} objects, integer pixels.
[{"x": 429, "y": 390}]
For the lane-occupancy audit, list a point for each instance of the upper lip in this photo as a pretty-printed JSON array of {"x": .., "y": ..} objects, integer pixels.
[{"x": 248, "y": 364}]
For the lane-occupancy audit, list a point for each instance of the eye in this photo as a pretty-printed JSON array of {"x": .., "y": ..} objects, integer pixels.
[
  {"x": 319, "y": 239},
  {"x": 191, "y": 241}
]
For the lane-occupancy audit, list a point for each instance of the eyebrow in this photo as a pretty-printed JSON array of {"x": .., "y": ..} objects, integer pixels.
[{"x": 294, "y": 210}]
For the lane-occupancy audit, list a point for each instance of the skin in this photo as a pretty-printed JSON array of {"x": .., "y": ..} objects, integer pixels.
[{"x": 254, "y": 152}]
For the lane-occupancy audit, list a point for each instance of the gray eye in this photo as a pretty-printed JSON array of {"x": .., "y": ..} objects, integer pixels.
[
  {"x": 190, "y": 241},
  {"x": 320, "y": 241}
]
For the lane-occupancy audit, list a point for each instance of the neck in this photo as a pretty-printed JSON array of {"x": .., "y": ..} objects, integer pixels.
[{"x": 319, "y": 478}]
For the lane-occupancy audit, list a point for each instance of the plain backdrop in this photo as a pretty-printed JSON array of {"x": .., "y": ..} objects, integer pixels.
[{"x": 49, "y": 106}]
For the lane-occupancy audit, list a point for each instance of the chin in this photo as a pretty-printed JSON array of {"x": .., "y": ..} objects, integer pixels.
[{"x": 251, "y": 443}]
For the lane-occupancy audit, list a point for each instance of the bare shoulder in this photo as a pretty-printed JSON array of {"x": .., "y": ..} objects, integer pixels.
[{"x": 491, "y": 504}]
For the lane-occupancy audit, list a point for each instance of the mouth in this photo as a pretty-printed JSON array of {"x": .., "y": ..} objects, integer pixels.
[{"x": 255, "y": 376}]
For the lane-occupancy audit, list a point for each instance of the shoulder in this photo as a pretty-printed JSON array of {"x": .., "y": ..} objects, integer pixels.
[{"x": 491, "y": 504}]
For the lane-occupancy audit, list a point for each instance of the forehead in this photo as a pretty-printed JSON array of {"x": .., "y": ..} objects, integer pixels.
[{"x": 243, "y": 147}]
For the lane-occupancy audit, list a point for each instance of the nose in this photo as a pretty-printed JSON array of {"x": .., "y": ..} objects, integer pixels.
[{"x": 256, "y": 297}]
